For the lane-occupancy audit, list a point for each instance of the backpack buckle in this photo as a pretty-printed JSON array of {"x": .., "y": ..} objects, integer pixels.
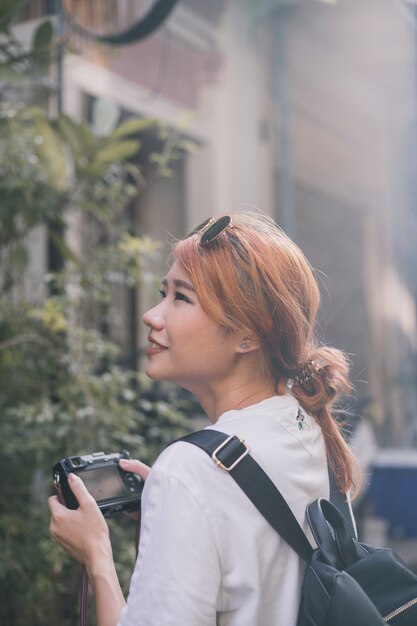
[{"x": 227, "y": 463}]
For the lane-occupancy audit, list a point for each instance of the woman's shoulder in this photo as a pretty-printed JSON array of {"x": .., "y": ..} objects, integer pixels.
[
  {"x": 183, "y": 460},
  {"x": 182, "y": 474}
]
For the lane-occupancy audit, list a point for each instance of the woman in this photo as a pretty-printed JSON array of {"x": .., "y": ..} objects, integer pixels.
[{"x": 235, "y": 326}]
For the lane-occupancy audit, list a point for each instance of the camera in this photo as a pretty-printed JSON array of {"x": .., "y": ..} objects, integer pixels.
[{"x": 113, "y": 489}]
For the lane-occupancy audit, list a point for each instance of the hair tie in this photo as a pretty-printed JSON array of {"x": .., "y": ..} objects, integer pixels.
[{"x": 305, "y": 375}]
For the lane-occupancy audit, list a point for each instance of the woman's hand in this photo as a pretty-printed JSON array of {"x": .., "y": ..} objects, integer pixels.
[
  {"x": 136, "y": 467},
  {"x": 83, "y": 532}
]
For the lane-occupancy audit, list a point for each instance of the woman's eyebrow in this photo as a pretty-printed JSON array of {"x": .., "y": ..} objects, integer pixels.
[{"x": 178, "y": 282}]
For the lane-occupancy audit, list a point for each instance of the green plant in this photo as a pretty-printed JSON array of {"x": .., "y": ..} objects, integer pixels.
[{"x": 63, "y": 388}]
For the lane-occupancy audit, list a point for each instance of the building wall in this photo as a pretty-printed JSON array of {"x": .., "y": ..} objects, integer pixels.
[
  {"x": 306, "y": 116},
  {"x": 207, "y": 80},
  {"x": 351, "y": 83}
]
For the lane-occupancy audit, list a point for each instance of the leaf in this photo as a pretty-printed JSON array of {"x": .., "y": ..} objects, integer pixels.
[
  {"x": 80, "y": 139},
  {"x": 117, "y": 152},
  {"x": 33, "y": 112},
  {"x": 9, "y": 75},
  {"x": 87, "y": 137},
  {"x": 54, "y": 155},
  {"x": 42, "y": 37},
  {"x": 156, "y": 157},
  {"x": 62, "y": 247},
  {"x": 51, "y": 315},
  {"x": 100, "y": 212},
  {"x": 188, "y": 146},
  {"x": 71, "y": 134},
  {"x": 131, "y": 127}
]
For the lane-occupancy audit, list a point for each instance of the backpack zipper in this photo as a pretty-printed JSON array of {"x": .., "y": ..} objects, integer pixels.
[{"x": 400, "y": 609}]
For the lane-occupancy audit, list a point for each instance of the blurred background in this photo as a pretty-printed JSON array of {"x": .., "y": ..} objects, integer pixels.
[{"x": 122, "y": 125}]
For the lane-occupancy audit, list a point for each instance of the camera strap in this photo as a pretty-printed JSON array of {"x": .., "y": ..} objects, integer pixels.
[
  {"x": 84, "y": 580},
  {"x": 84, "y": 597}
]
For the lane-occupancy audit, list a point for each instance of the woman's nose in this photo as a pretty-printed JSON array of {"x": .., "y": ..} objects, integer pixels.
[{"x": 153, "y": 319}]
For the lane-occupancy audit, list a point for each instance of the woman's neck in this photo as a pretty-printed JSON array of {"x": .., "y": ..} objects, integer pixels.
[{"x": 235, "y": 398}]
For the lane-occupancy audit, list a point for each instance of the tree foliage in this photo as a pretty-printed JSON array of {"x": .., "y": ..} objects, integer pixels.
[{"x": 64, "y": 390}]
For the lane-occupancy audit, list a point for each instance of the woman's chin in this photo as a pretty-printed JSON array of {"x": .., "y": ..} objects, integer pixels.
[{"x": 153, "y": 373}]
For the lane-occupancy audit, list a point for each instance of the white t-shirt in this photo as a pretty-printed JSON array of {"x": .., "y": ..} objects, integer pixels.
[{"x": 207, "y": 557}]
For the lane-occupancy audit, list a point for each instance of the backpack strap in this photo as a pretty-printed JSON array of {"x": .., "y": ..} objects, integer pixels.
[
  {"x": 232, "y": 455},
  {"x": 340, "y": 501}
]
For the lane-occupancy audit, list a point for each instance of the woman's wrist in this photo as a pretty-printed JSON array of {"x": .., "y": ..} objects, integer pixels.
[
  {"x": 108, "y": 596},
  {"x": 100, "y": 559}
]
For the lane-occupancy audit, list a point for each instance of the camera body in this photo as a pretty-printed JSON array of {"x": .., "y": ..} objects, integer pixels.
[{"x": 113, "y": 489}]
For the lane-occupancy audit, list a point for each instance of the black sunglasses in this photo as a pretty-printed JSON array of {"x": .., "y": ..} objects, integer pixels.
[{"x": 211, "y": 228}]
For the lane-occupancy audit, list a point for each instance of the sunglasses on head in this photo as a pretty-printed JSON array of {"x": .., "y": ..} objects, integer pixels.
[{"x": 211, "y": 229}]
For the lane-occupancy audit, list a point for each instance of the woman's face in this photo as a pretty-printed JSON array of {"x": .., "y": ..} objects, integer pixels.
[{"x": 185, "y": 346}]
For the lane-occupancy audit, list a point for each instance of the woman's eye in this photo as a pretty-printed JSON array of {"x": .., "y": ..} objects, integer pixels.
[
  {"x": 181, "y": 296},
  {"x": 177, "y": 295}
]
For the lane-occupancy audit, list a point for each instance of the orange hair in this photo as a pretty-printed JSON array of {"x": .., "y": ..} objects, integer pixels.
[{"x": 254, "y": 277}]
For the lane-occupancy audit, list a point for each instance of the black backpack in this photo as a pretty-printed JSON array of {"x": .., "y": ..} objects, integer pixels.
[{"x": 346, "y": 583}]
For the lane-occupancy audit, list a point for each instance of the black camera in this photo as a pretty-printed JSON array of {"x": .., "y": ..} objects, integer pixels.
[{"x": 113, "y": 489}]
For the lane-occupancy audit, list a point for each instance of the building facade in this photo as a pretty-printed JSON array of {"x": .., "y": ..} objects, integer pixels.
[{"x": 306, "y": 111}]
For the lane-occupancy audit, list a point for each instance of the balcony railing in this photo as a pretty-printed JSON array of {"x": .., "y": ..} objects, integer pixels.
[{"x": 35, "y": 10}]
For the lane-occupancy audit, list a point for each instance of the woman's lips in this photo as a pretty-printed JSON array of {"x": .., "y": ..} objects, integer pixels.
[{"x": 154, "y": 348}]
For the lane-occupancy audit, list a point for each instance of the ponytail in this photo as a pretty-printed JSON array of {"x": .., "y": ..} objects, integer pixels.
[{"x": 321, "y": 381}]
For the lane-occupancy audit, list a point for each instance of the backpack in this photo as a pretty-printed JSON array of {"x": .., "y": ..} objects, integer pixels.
[{"x": 346, "y": 583}]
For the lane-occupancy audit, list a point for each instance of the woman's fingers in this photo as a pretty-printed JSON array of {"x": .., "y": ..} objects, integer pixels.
[
  {"x": 136, "y": 467},
  {"x": 80, "y": 491},
  {"x": 54, "y": 505},
  {"x": 82, "y": 532}
]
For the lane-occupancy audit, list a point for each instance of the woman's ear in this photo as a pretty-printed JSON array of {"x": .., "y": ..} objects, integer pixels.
[{"x": 247, "y": 344}]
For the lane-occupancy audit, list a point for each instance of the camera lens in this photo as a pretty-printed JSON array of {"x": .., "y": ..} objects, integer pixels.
[{"x": 76, "y": 461}]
